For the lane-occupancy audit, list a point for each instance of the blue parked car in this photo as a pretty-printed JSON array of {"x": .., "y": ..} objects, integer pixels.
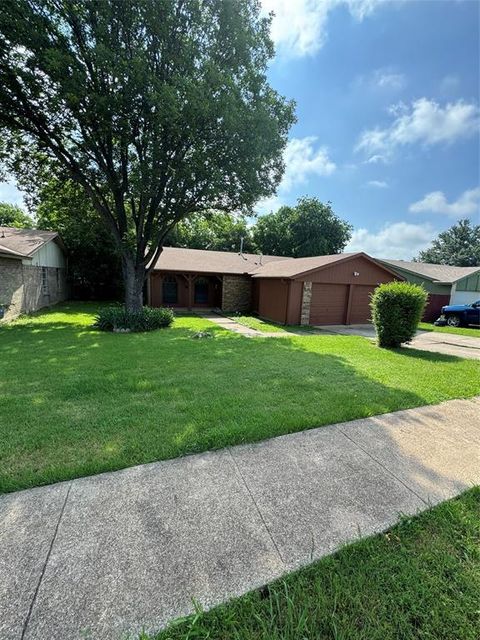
[{"x": 460, "y": 315}]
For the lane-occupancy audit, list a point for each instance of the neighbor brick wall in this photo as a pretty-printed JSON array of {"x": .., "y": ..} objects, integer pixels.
[
  {"x": 236, "y": 293},
  {"x": 306, "y": 301},
  {"x": 11, "y": 286},
  {"x": 21, "y": 287}
]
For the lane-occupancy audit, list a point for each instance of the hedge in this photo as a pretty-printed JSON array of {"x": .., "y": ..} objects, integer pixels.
[{"x": 397, "y": 308}]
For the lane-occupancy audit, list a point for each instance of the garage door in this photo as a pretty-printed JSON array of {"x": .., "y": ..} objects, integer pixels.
[
  {"x": 360, "y": 308},
  {"x": 328, "y": 304}
]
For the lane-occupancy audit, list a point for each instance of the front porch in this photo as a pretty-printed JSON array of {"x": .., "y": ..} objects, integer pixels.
[{"x": 188, "y": 290}]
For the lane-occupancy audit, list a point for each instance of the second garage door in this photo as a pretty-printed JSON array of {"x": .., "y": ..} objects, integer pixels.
[
  {"x": 360, "y": 307},
  {"x": 328, "y": 304}
]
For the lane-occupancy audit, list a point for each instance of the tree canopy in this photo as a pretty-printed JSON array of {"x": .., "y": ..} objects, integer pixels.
[
  {"x": 458, "y": 246},
  {"x": 11, "y": 215},
  {"x": 157, "y": 109},
  {"x": 310, "y": 228},
  {"x": 215, "y": 231}
]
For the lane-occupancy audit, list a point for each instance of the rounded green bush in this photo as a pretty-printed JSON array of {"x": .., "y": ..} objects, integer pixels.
[
  {"x": 397, "y": 308},
  {"x": 118, "y": 319}
]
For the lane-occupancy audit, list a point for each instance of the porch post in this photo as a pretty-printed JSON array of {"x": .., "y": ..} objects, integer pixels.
[{"x": 190, "y": 291}]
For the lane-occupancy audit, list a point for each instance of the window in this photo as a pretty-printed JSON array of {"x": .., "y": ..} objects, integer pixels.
[
  {"x": 169, "y": 290},
  {"x": 201, "y": 291},
  {"x": 58, "y": 280},
  {"x": 44, "y": 281}
]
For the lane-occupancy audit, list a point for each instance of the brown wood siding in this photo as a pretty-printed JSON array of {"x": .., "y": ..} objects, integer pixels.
[
  {"x": 343, "y": 273},
  {"x": 294, "y": 302},
  {"x": 360, "y": 311},
  {"x": 329, "y": 303},
  {"x": 272, "y": 299},
  {"x": 433, "y": 308}
]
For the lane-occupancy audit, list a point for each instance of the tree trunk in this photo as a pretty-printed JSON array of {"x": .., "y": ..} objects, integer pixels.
[{"x": 134, "y": 278}]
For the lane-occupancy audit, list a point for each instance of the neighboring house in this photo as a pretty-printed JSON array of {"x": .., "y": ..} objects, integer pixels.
[
  {"x": 445, "y": 284},
  {"x": 320, "y": 290},
  {"x": 33, "y": 269}
]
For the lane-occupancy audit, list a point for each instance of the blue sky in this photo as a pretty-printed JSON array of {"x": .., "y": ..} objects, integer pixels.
[
  {"x": 387, "y": 96},
  {"x": 387, "y": 99}
]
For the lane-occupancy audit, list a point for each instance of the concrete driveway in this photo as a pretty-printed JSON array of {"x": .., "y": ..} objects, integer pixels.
[{"x": 445, "y": 343}]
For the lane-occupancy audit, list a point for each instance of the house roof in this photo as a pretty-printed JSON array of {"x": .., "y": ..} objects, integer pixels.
[
  {"x": 201, "y": 261},
  {"x": 22, "y": 243},
  {"x": 297, "y": 266},
  {"x": 440, "y": 273}
]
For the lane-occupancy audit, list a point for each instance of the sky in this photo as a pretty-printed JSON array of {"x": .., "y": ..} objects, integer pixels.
[
  {"x": 387, "y": 95},
  {"x": 388, "y": 117}
]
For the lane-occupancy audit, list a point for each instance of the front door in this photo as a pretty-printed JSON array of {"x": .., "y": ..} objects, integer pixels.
[{"x": 201, "y": 291}]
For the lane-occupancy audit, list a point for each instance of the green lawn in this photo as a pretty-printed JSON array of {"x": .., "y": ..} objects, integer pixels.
[
  {"x": 460, "y": 331},
  {"x": 75, "y": 401},
  {"x": 421, "y": 580},
  {"x": 268, "y": 327}
]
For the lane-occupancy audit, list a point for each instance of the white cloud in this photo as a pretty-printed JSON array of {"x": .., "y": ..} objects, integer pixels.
[
  {"x": 379, "y": 184},
  {"x": 398, "y": 240},
  {"x": 267, "y": 205},
  {"x": 376, "y": 159},
  {"x": 299, "y": 27},
  {"x": 9, "y": 193},
  {"x": 425, "y": 122},
  {"x": 302, "y": 159},
  {"x": 436, "y": 202},
  {"x": 385, "y": 78}
]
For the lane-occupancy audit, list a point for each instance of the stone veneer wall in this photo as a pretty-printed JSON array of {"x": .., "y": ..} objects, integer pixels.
[
  {"x": 21, "y": 287},
  {"x": 306, "y": 301},
  {"x": 236, "y": 293}
]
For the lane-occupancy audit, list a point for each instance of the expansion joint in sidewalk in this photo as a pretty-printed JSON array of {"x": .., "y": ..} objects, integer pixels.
[{"x": 47, "y": 558}]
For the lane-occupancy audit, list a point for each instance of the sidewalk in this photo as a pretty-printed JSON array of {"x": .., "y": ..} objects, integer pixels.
[{"x": 114, "y": 553}]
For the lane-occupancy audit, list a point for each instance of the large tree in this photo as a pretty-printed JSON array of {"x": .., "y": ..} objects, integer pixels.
[
  {"x": 11, "y": 215},
  {"x": 310, "y": 228},
  {"x": 458, "y": 246},
  {"x": 215, "y": 230},
  {"x": 156, "y": 108}
]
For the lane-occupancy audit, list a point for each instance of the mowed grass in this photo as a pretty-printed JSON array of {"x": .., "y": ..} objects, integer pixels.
[
  {"x": 420, "y": 580},
  {"x": 269, "y": 327},
  {"x": 75, "y": 401},
  {"x": 459, "y": 331}
]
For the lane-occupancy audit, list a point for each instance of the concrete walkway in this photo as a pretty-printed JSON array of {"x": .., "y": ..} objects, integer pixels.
[{"x": 118, "y": 552}]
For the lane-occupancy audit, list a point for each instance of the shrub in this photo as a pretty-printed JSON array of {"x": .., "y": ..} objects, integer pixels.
[
  {"x": 117, "y": 318},
  {"x": 397, "y": 308}
]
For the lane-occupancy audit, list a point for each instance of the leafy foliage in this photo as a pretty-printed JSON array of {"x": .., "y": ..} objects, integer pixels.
[
  {"x": 311, "y": 228},
  {"x": 119, "y": 318},
  {"x": 458, "y": 246},
  {"x": 156, "y": 109},
  {"x": 94, "y": 267},
  {"x": 397, "y": 308},
  {"x": 12, "y": 215},
  {"x": 213, "y": 230}
]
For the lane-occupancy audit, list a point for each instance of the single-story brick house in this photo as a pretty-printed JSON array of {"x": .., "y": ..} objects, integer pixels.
[
  {"x": 33, "y": 268},
  {"x": 445, "y": 284},
  {"x": 331, "y": 289}
]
